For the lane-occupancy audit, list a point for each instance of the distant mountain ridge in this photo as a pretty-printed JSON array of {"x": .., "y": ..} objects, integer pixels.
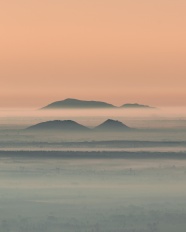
[
  {"x": 72, "y": 126},
  {"x": 135, "y": 105},
  {"x": 75, "y": 103},
  {"x": 71, "y": 103}
]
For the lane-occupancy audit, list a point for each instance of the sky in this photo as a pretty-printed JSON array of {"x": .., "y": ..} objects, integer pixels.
[{"x": 118, "y": 51}]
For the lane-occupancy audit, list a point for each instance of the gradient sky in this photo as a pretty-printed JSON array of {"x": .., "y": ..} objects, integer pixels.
[{"x": 112, "y": 50}]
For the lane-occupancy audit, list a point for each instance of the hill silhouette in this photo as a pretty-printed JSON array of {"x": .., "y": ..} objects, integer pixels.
[
  {"x": 57, "y": 125},
  {"x": 112, "y": 125},
  {"x": 135, "y": 105},
  {"x": 75, "y": 103}
]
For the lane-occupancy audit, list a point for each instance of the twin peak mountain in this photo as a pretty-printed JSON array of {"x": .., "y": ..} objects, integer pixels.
[{"x": 72, "y": 126}]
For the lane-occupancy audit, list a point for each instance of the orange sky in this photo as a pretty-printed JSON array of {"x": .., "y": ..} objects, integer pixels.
[{"x": 112, "y": 50}]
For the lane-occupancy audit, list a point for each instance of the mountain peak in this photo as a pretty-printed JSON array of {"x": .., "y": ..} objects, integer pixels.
[
  {"x": 112, "y": 125},
  {"x": 111, "y": 121},
  {"x": 58, "y": 125}
]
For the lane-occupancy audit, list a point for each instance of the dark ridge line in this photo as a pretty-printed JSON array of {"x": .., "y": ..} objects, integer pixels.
[
  {"x": 106, "y": 142},
  {"x": 92, "y": 154}
]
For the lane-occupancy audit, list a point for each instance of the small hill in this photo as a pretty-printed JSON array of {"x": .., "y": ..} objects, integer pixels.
[
  {"x": 75, "y": 103},
  {"x": 112, "y": 125},
  {"x": 57, "y": 125},
  {"x": 136, "y": 105}
]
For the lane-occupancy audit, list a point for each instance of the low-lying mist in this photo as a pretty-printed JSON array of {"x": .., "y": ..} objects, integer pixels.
[
  {"x": 139, "y": 118},
  {"x": 129, "y": 181},
  {"x": 44, "y": 193}
]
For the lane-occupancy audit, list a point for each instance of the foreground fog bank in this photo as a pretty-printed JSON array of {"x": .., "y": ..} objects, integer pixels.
[{"x": 56, "y": 193}]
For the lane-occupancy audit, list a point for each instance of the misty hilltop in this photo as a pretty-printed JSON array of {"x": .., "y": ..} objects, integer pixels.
[
  {"x": 75, "y": 103},
  {"x": 71, "y": 103},
  {"x": 57, "y": 125},
  {"x": 112, "y": 125}
]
